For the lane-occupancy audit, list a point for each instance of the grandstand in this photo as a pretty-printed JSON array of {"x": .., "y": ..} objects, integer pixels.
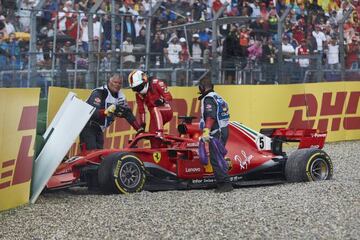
[{"x": 77, "y": 43}]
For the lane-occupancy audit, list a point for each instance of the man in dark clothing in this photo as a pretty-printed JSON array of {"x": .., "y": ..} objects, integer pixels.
[
  {"x": 231, "y": 54},
  {"x": 198, "y": 7},
  {"x": 109, "y": 102},
  {"x": 157, "y": 49},
  {"x": 269, "y": 61},
  {"x": 214, "y": 122},
  {"x": 129, "y": 28},
  {"x": 314, "y": 7}
]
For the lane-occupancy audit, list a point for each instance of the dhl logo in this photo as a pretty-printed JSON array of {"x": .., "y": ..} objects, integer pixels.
[
  {"x": 326, "y": 116},
  {"x": 19, "y": 170}
]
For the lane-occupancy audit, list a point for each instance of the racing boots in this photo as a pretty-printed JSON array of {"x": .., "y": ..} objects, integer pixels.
[{"x": 224, "y": 187}]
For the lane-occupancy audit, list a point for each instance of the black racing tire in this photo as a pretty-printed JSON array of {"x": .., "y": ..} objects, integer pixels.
[
  {"x": 106, "y": 184},
  {"x": 121, "y": 173},
  {"x": 308, "y": 164}
]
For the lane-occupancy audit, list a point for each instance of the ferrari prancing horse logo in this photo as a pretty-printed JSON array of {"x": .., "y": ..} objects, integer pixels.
[{"x": 157, "y": 157}]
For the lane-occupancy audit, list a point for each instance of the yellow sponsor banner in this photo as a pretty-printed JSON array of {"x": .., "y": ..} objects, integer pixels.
[
  {"x": 18, "y": 119},
  {"x": 332, "y": 107}
]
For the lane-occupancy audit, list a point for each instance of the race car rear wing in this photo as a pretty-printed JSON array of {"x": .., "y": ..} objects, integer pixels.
[{"x": 307, "y": 138}]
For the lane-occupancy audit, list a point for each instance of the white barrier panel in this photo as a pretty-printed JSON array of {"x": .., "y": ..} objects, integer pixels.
[
  {"x": 62, "y": 132},
  {"x": 59, "y": 113}
]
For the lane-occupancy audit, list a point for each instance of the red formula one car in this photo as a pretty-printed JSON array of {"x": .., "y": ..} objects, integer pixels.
[{"x": 253, "y": 158}]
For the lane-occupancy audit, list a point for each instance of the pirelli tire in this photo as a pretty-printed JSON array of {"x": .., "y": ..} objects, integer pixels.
[
  {"x": 121, "y": 173},
  {"x": 308, "y": 164}
]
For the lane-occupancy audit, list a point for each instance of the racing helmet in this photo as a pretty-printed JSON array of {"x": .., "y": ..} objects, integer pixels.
[{"x": 138, "y": 81}]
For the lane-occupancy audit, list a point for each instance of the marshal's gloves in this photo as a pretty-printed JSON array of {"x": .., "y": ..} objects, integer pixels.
[
  {"x": 206, "y": 135},
  {"x": 159, "y": 102},
  {"x": 120, "y": 110},
  {"x": 110, "y": 110}
]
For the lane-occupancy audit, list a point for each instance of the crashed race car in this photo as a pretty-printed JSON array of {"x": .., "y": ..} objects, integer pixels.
[{"x": 254, "y": 158}]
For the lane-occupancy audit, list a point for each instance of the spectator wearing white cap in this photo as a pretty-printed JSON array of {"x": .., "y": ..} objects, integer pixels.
[
  {"x": 288, "y": 51},
  {"x": 184, "y": 55},
  {"x": 98, "y": 29},
  {"x": 84, "y": 35},
  {"x": 332, "y": 53},
  {"x": 196, "y": 50},
  {"x": 302, "y": 50},
  {"x": 172, "y": 53},
  {"x": 139, "y": 24},
  {"x": 320, "y": 38},
  {"x": 24, "y": 13}
]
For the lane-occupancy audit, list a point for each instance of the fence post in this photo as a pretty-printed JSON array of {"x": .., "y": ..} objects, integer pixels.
[
  {"x": 187, "y": 61},
  {"x": 92, "y": 64},
  {"x": 113, "y": 38},
  {"x": 214, "y": 63},
  {"x": 319, "y": 72},
  {"x": 53, "y": 55},
  {"x": 98, "y": 54},
  {"x": 153, "y": 9},
  {"x": 32, "y": 42},
  {"x": 77, "y": 50},
  {"x": 121, "y": 41}
]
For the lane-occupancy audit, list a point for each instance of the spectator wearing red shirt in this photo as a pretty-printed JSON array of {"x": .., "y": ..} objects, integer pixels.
[
  {"x": 352, "y": 57},
  {"x": 298, "y": 33},
  {"x": 244, "y": 40},
  {"x": 304, "y": 63},
  {"x": 184, "y": 54},
  {"x": 264, "y": 12},
  {"x": 72, "y": 26},
  {"x": 216, "y": 6}
]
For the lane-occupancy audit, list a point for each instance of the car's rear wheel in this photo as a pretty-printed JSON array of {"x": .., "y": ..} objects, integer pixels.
[
  {"x": 121, "y": 173},
  {"x": 305, "y": 165}
]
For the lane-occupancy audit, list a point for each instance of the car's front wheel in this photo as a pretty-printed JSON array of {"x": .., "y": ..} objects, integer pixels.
[
  {"x": 121, "y": 173},
  {"x": 305, "y": 165}
]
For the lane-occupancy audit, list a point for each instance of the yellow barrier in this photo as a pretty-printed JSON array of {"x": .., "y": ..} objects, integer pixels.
[
  {"x": 326, "y": 106},
  {"x": 18, "y": 120}
]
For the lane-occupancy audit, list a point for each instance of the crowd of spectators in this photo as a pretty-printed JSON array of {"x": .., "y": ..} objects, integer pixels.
[{"x": 311, "y": 28}]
